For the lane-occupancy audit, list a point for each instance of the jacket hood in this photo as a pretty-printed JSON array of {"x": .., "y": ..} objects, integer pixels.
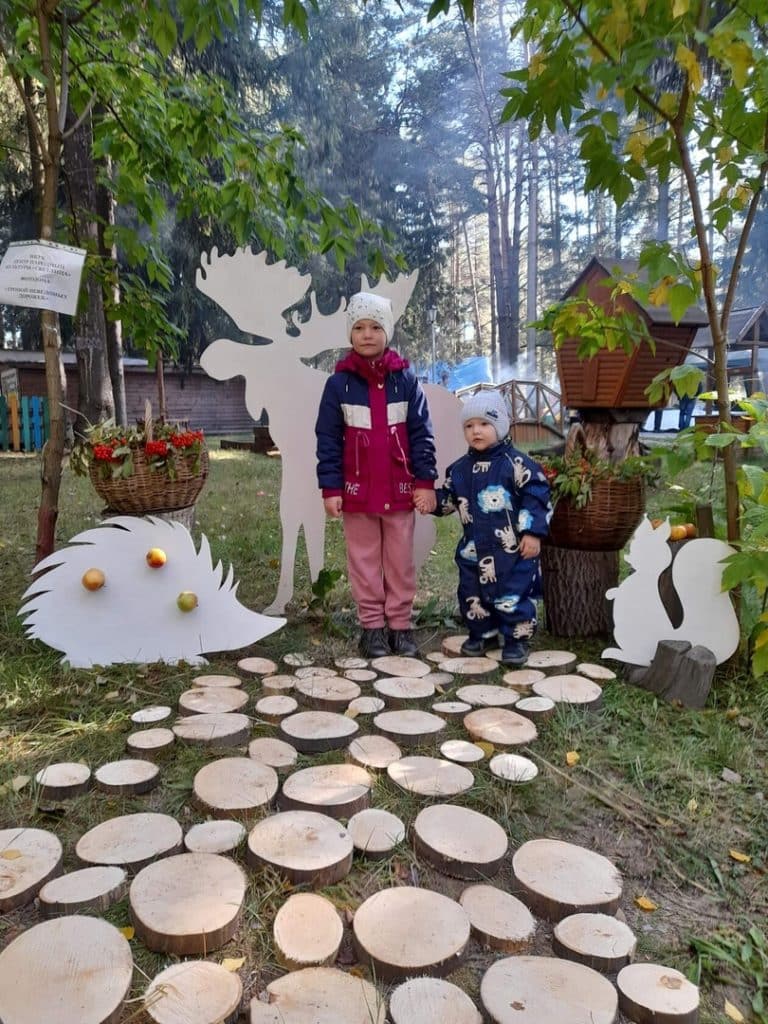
[{"x": 372, "y": 369}]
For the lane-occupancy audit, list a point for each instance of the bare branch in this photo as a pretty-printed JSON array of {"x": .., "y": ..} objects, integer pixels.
[{"x": 73, "y": 128}]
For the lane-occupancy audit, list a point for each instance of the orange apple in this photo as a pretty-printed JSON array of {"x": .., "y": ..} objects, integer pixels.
[
  {"x": 93, "y": 579},
  {"x": 690, "y": 530},
  {"x": 678, "y": 533},
  {"x": 156, "y": 558},
  {"x": 186, "y": 601}
]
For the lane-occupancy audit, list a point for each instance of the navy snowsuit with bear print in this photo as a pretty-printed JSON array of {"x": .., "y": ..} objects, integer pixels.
[{"x": 500, "y": 495}]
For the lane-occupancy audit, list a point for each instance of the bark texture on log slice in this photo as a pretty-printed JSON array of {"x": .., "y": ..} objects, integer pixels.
[
  {"x": 307, "y": 931},
  {"x": 538, "y": 709},
  {"x": 397, "y": 691},
  {"x": 522, "y": 679},
  {"x": 297, "y": 659},
  {"x": 678, "y": 672},
  {"x": 350, "y": 664},
  {"x": 375, "y": 833},
  {"x": 328, "y": 693},
  {"x": 272, "y": 686},
  {"x": 469, "y": 666},
  {"x": 394, "y": 665},
  {"x": 460, "y": 842},
  {"x": 430, "y": 776},
  {"x": 574, "y": 584},
  {"x": 87, "y": 970},
  {"x": 487, "y": 696},
  {"x": 215, "y": 682},
  {"x": 500, "y": 726},
  {"x": 276, "y": 753},
  {"x": 204, "y": 700},
  {"x": 154, "y": 713},
  {"x": 314, "y": 672},
  {"x": 86, "y": 889},
  {"x": 600, "y": 673},
  {"x": 462, "y": 751},
  {"x": 431, "y": 1001},
  {"x": 653, "y": 994},
  {"x": 312, "y": 732},
  {"x": 302, "y": 846},
  {"x": 451, "y": 708},
  {"x": 64, "y": 780},
  {"x": 451, "y": 645},
  {"x": 28, "y": 858},
  {"x": 513, "y": 768},
  {"x": 551, "y": 663},
  {"x": 360, "y": 675},
  {"x": 234, "y": 786},
  {"x": 130, "y": 841},
  {"x": 220, "y": 836},
  {"x": 558, "y": 879},
  {"x": 187, "y": 904},
  {"x": 535, "y": 989},
  {"x": 150, "y": 743},
  {"x": 409, "y": 727},
  {"x": 257, "y": 666},
  {"x": 319, "y": 995},
  {"x": 374, "y": 751},
  {"x": 338, "y": 790},
  {"x": 194, "y": 992},
  {"x": 275, "y": 707},
  {"x": 405, "y": 931},
  {"x": 575, "y": 690},
  {"x": 498, "y": 920},
  {"x": 365, "y": 706},
  {"x": 596, "y": 940},
  {"x": 130, "y": 776},
  {"x": 223, "y": 730}
]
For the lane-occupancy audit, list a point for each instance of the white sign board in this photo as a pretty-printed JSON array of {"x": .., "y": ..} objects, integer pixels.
[
  {"x": 9, "y": 382},
  {"x": 41, "y": 275}
]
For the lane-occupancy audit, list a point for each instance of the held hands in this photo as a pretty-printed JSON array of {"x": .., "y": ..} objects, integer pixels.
[
  {"x": 333, "y": 506},
  {"x": 424, "y": 501},
  {"x": 530, "y": 546}
]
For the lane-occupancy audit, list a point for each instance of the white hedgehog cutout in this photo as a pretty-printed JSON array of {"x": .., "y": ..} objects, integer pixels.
[{"x": 134, "y": 616}]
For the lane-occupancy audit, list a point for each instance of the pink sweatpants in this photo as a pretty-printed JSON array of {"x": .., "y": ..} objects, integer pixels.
[{"x": 380, "y": 566}]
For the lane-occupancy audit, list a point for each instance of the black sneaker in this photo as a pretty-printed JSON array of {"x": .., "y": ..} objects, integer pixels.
[
  {"x": 475, "y": 647},
  {"x": 373, "y": 643},
  {"x": 401, "y": 642},
  {"x": 515, "y": 652}
]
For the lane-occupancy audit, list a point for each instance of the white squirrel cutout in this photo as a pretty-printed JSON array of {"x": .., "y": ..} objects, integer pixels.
[
  {"x": 255, "y": 294},
  {"x": 640, "y": 619},
  {"x": 134, "y": 616}
]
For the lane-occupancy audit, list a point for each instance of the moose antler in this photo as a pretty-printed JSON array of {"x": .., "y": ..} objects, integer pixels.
[{"x": 320, "y": 332}]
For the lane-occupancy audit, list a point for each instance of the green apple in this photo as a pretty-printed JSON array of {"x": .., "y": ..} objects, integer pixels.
[{"x": 186, "y": 601}]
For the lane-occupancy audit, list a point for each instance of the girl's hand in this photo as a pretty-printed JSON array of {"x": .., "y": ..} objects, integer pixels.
[
  {"x": 425, "y": 501},
  {"x": 530, "y": 546},
  {"x": 333, "y": 506}
]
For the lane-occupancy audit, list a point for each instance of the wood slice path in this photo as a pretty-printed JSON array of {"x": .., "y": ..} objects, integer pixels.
[
  {"x": 220, "y": 836},
  {"x": 374, "y": 751},
  {"x": 498, "y": 920},
  {"x": 360, "y": 675},
  {"x": 375, "y": 832},
  {"x": 462, "y": 751},
  {"x": 28, "y": 858},
  {"x": 487, "y": 696},
  {"x": 319, "y": 995},
  {"x": 276, "y": 753},
  {"x": 312, "y": 732},
  {"x": 513, "y": 768},
  {"x": 150, "y": 743},
  {"x": 431, "y": 1001},
  {"x": 500, "y": 726},
  {"x": 393, "y": 665},
  {"x": 570, "y": 689},
  {"x": 599, "y": 941},
  {"x": 599, "y": 673},
  {"x": 150, "y": 715},
  {"x": 307, "y": 932},
  {"x": 397, "y": 691},
  {"x": 272, "y": 686},
  {"x": 223, "y": 730},
  {"x": 64, "y": 780},
  {"x": 257, "y": 666},
  {"x": 87, "y": 889},
  {"x": 206, "y": 700},
  {"x": 522, "y": 679},
  {"x": 653, "y": 994},
  {"x": 430, "y": 776},
  {"x": 131, "y": 840},
  {"x": 538, "y": 709},
  {"x": 194, "y": 992},
  {"x": 459, "y": 841},
  {"x": 338, "y": 790},
  {"x": 468, "y": 666},
  {"x": 302, "y": 846},
  {"x": 314, "y": 672},
  {"x": 552, "y": 662},
  {"x": 216, "y": 682},
  {"x": 535, "y": 989},
  {"x": 131, "y": 776},
  {"x": 557, "y": 879},
  {"x": 365, "y": 706},
  {"x": 451, "y": 708},
  {"x": 411, "y": 727},
  {"x": 275, "y": 707},
  {"x": 234, "y": 787},
  {"x": 331, "y": 693}
]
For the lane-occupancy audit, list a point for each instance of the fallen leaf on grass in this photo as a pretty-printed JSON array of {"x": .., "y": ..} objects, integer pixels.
[
  {"x": 737, "y": 855},
  {"x": 129, "y": 931},
  {"x": 733, "y": 1012},
  {"x": 15, "y": 784},
  {"x": 351, "y": 713},
  {"x": 692, "y": 805},
  {"x": 572, "y": 758},
  {"x": 486, "y": 747},
  {"x": 232, "y": 963},
  {"x": 645, "y": 904},
  {"x": 11, "y": 854},
  {"x": 732, "y": 713}
]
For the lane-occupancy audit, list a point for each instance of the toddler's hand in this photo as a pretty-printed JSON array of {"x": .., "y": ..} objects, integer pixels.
[
  {"x": 530, "y": 546},
  {"x": 333, "y": 506},
  {"x": 424, "y": 501}
]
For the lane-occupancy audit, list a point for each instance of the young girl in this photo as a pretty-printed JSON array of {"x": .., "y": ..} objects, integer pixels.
[
  {"x": 502, "y": 498},
  {"x": 375, "y": 457}
]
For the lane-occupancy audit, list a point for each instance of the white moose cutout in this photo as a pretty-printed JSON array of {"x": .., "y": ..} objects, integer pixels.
[
  {"x": 255, "y": 294},
  {"x": 640, "y": 619}
]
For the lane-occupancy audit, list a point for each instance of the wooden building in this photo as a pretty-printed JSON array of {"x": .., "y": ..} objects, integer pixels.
[{"x": 747, "y": 346}]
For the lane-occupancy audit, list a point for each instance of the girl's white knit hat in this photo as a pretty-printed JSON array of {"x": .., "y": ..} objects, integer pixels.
[
  {"x": 367, "y": 306},
  {"x": 489, "y": 406}
]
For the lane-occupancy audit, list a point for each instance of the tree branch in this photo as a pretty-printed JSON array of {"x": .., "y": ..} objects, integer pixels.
[
  {"x": 64, "y": 75},
  {"x": 31, "y": 113},
  {"x": 73, "y": 128}
]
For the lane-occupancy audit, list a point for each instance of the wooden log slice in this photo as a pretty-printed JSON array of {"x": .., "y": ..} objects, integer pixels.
[
  {"x": 327, "y": 693},
  {"x": 468, "y": 666},
  {"x": 552, "y": 662},
  {"x": 274, "y": 686},
  {"x": 522, "y": 679},
  {"x": 404, "y": 931},
  {"x": 214, "y": 682},
  {"x": 558, "y": 879},
  {"x": 410, "y": 727},
  {"x": 462, "y": 751},
  {"x": 219, "y": 836},
  {"x": 500, "y": 726},
  {"x": 487, "y": 696},
  {"x": 315, "y": 672},
  {"x": 394, "y": 665},
  {"x": 129, "y": 776},
  {"x": 338, "y": 790},
  {"x": 312, "y": 732},
  {"x": 431, "y": 1001},
  {"x": 436, "y": 656},
  {"x": 350, "y": 664},
  {"x": 206, "y": 700},
  {"x": 374, "y": 751},
  {"x": 451, "y": 645},
  {"x": 451, "y": 708},
  {"x": 538, "y": 709},
  {"x": 459, "y": 842},
  {"x": 319, "y": 995},
  {"x": 297, "y": 659},
  {"x": 234, "y": 787},
  {"x": 430, "y": 776},
  {"x": 64, "y": 780},
  {"x": 257, "y": 666},
  {"x": 194, "y": 992},
  {"x": 494, "y": 655},
  {"x": 276, "y": 707},
  {"x": 498, "y": 920},
  {"x": 28, "y": 858},
  {"x": 599, "y": 673},
  {"x": 302, "y": 846},
  {"x": 307, "y": 931},
  {"x": 513, "y": 768},
  {"x": 360, "y": 675},
  {"x": 188, "y": 904},
  {"x": 601, "y": 942},
  {"x": 397, "y": 691},
  {"x": 87, "y": 889},
  {"x": 150, "y": 743},
  {"x": 86, "y": 975},
  {"x": 131, "y": 840},
  {"x": 441, "y": 681},
  {"x": 276, "y": 753},
  {"x": 570, "y": 689},
  {"x": 652, "y": 994},
  {"x": 534, "y": 989},
  {"x": 375, "y": 833},
  {"x": 150, "y": 715},
  {"x": 217, "y": 730},
  {"x": 365, "y": 706}
]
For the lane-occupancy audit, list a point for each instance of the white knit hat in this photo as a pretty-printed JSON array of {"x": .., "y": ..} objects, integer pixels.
[
  {"x": 489, "y": 406},
  {"x": 367, "y": 306}
]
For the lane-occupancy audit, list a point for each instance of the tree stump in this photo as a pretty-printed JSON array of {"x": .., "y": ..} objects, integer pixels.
[
  {"x": 431, "y": 1001},
  {"x": 313, "y": 732},
  {"x": 652, "y": 994},
  {"x": 375, "y": 833},
  {"x": 234, "y": 787},
  {"x": 678, "y": 672},
  {"x": 575, "y": 583},
  {"x": 429, "y": 776},
  {"x": 87, "y": 889},
  {"x": 459, "y": 842},
  {"x": 498, "y": 920},
  {"x": 500, "y": 726},
  {"x": 219, "y": 836},
  {"x": 131, "y": 840},
  {"x": 338, "y": 790},
  {"x": 302, "y": 846},
  {"x": 534, "y": 989},
  {"x": 30, "y": 856},
  {"x": 595, "y": 940},
  {"x": 557, "y": 879},
  {"x": 194, "y": 992},
  {"x": 63, "y": 781},
  {"x": 320, "y": 995},
  {"x": 307, "y": 931}
]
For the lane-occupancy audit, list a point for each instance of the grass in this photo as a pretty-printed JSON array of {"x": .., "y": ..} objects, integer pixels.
[{"x": 647, "y": 792}]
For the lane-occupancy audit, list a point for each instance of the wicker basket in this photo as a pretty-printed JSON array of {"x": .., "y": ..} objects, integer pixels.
[
  {"x": 146, "y": 491},
  {"x": 606, "y": 522}
]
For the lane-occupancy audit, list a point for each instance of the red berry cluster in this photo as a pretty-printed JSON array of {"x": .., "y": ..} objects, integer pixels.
[
  {"x": 187, "y": 439},
  {"x": 103, "y": 453},
  {"x": 156, "y": 448}
]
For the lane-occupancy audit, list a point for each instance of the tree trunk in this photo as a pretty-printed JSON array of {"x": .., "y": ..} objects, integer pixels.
[
  {"x": 111, "y": 293},
  {"x": 575, "y": 584},
  {"x": 473, "y": 286},
  {"x": 533, "y": 254}
]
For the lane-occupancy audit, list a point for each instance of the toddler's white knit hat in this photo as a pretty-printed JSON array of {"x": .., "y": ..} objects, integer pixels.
[
  {"x": 367, "y": 306},
  {"x": 490, "y": 406}
]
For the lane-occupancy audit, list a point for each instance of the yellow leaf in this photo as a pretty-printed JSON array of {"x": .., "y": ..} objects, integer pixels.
[
  {"x": 11, "y": 854},
  {"x": 724, "y": 154},
  {"x": 680, "y": 7},
  {"x": 486, "y": 747},
  {"x": 601, "y": 93},
  {"x": 439, "y": 688},
  {"x": 19, "y": 782},
  {"x": 572, "y": 757},
  {"x": 351, "y": 713},
  {"x": 742, "y": 858},
  {"x": 692, "y": 805},
  {"x": 128, "y": 932},
  {"x": 665, "y": 822},
  {"x": 232, "y": 964},
  {"x": 645, "y": 904},
  {"x": 732, "y": 713},
  {"x": 537, "y": 65},
  {"x": 733, "y": 1012},
  {"x": 739, "y": 55},
  {"x": 687, "y": 60}
]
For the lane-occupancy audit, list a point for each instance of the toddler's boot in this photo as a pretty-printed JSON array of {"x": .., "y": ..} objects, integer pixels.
[
  {"x": 515, "y": 652},
  {"x": 476, "y": 646},
  {"x": 373, "y": 643},
  {"x": 401, "y": 642}
]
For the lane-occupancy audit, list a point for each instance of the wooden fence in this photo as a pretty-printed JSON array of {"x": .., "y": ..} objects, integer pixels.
[
  {"x": 536, "y": 412},
  {"x": 24, "y": 423}
]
